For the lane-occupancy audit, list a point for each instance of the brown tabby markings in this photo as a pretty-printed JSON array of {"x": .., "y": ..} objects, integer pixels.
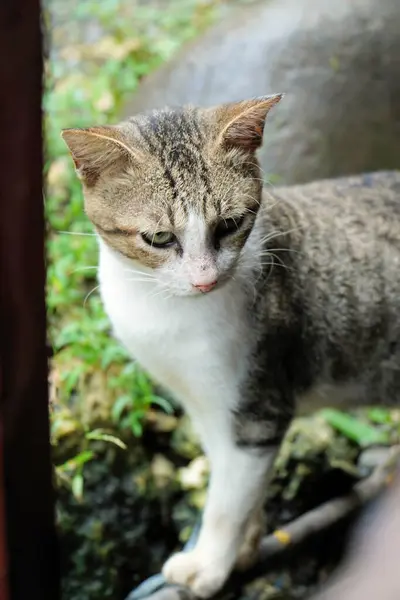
[{"x": 156, "y": 168}]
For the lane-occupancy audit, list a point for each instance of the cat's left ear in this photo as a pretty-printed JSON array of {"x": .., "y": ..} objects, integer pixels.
[
  {"x": 96, "y": 150},
  {"x": 241, "y": 124}
]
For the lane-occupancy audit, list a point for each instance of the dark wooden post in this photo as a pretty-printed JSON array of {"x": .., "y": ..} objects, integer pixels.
[
  {"x": 4, "y": 590},
  {"x": 25, "y": 451}
]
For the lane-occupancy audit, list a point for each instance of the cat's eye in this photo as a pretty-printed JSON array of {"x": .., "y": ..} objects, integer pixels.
[
  {"x": 228, "y": 226},
  {"x": 160, "y": 239}
]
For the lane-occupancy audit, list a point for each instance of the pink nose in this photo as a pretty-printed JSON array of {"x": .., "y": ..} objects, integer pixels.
[{"x": 205, "y": 287}]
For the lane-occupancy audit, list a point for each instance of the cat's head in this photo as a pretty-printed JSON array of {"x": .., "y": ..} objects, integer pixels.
[{"x": 177, "y": 190}]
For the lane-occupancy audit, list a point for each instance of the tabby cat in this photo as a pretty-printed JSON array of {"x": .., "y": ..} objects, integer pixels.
[{"x": 239, "y": 299}]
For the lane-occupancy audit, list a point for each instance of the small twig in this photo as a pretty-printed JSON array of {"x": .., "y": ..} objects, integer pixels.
[
  {"x": 332, "y": 511},
  {"x": 297, "y": 531}
]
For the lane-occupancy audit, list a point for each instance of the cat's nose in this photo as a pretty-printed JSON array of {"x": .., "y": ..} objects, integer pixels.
[{"x": 205, "y": 287}]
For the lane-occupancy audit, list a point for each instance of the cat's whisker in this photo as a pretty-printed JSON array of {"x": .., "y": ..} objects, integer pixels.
[
  {"x": 77, "y": 233},
  {"x": 165, "y": 296},
  {"x": 269, "y": 184},
  {"x": 160, "y": 292},
  {"x": 278, "y": 233},
  {"x": 266, "y": 264},
  {"x": 130, "y": 270},
  {"x": 269, "y": 252},
  {"x": 285, "y": 250},
  {"x": 145, "y": 279},
  {"x": 280, "y": 263},
  {"x": 266, "y": 177},
  {"x": 252, "y": 198},
  {"x": 249, "y": 210},
  {"x": 140, "y": 273},
  {"x": 269, "y": 207},
  {"x": 245, "y": 277},
  {"x": 271, "y": 267},
  {"x": 260, "y": 268},
  {"x": 279, "y": 200},
  {"x": 138, "y": 280},
  {"x": 270, "y": 236},
  {"x": 89, "y": 294}
]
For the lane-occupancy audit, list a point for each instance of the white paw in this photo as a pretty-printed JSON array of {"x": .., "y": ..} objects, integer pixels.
[
  {"x": 249, "y": 550},
  {"x": 202, "y": 574}
]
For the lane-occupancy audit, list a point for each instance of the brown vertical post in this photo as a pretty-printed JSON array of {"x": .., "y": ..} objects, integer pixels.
[
  {"x": 25, "y": 453},
  {"x": 4, "y": 591}
]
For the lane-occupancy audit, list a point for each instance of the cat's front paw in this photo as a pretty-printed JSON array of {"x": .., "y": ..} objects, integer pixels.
[{"x": 202, "y": 574}]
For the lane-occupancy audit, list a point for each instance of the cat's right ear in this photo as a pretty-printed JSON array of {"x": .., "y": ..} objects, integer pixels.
[
  {"x": 96, "y": 150},
  {"x": 241, "y": 124}
]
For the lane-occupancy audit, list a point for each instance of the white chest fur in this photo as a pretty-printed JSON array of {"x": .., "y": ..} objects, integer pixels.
[{"x": 195, "y": 346}]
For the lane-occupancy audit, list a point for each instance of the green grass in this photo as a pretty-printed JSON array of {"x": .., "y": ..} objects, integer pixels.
[{"x": 87, "y": 84}]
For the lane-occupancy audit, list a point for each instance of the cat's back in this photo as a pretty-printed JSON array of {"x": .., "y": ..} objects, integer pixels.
[
  {"x": 369, "y": 194},
  {"x": 344, "y": 274},
  {"x": 347, "y": 232},
  {"x": 362, "y": 208}
]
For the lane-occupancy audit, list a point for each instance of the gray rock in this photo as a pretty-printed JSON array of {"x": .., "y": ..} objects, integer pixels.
[
  {"x": 371, "y": 458},
  {"x": 338, "y": 62}
]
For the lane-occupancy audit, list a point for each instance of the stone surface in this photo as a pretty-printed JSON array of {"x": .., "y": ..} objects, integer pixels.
[{"x": 338, "y": 62}]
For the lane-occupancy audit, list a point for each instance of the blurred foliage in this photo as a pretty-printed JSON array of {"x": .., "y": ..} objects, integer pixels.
[{"x": 111, "y": 535}]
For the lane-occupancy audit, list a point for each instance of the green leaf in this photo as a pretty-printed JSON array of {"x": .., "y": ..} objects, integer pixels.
[
  {"x": 354, "y": 429},
  {"x": 382, "y": 416},
  {"x": 112, "y": 354},
  {"x": 78, "y": 461},
  {"x": 77, "y": 486},
  {"x": 119, "y": 406},
  {"x": 163, "y": 403},
  {"x": 136, "y": 425},
  {"x": 100, "y": 435}
]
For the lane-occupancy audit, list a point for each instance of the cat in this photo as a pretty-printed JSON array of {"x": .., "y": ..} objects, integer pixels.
[{"x": 240, "y": 299}]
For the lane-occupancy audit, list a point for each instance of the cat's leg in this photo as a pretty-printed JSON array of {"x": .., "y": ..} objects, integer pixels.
[
  {"x": 254, "y": 531},
  {"x": 236, "y": 484},
  {"x": 239, "y": 470}
]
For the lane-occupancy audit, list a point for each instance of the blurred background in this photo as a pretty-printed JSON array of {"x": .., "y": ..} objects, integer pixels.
[{"x": 130, "y": 475}]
